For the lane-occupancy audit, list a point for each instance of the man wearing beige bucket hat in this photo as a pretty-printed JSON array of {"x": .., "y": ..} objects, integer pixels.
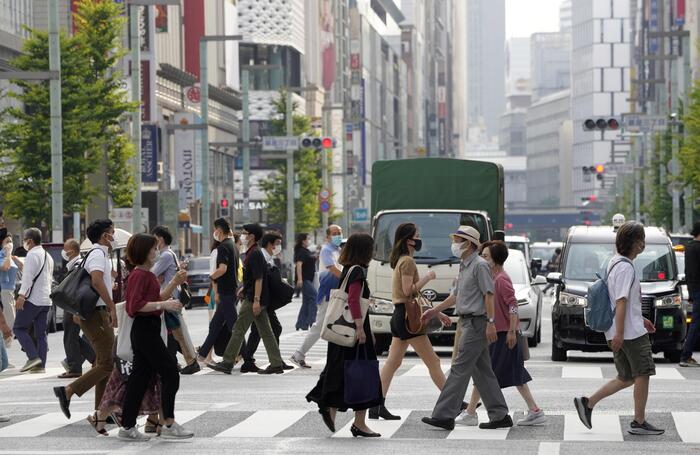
[{"x": 473, "y": 297}]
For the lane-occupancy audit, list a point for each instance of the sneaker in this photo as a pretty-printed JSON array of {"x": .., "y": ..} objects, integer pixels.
[
  {"x": 689, "y": 363},
  {"x": 249, "y": 367},
  {"x": 31, "y": 363},
  {"x": 584, "y": 412},
  {"x": 133, "y": 435},
  {"x": 467, "y": 420},
  {"x": 221, "y": 367},
  {"x": 533, "y": 418},
  {"x": 175, "y": 431},
  {"x": 301, "y": 363},
  {"x": 505, "y": 422},
  {"x": 37, "y": 370},
  {"x": 644, "y": 429},
  {"x": 192, "y": 368}
]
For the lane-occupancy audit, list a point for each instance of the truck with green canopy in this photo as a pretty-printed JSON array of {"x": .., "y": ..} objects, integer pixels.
[{"x": 438, "y": 195}]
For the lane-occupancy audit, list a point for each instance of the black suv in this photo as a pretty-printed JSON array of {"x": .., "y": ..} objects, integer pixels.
[{"x": 587, "y": 251}]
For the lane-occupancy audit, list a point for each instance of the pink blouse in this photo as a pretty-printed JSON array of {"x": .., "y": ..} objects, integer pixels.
[{"x": 505, "y": 302}]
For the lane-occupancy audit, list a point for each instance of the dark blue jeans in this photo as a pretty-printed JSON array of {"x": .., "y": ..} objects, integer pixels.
[
  {"x": 225, "y": 315},
  {"x": 307, "y": 312},
  {"x": 26, "y": 317},
  {"x": 691, "y": 338}
]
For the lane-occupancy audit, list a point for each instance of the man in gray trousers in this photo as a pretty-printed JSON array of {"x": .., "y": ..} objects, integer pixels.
[{"x": 473, "y": 296}]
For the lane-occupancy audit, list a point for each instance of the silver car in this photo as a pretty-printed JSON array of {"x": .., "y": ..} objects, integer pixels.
[{"x": 529, "y": 295}]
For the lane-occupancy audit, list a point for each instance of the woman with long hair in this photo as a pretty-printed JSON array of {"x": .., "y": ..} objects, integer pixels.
[
  {"x": 406, "y": 283},
  {"x": 305, "y": 265},
  {"x": 329, "y": 392}
]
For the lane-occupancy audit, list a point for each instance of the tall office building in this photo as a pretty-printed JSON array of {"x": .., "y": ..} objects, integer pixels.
[{"x": 550, "y": 63}]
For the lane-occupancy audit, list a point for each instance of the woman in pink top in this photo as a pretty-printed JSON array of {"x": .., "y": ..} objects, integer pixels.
[{"x": 506, "y": 353}]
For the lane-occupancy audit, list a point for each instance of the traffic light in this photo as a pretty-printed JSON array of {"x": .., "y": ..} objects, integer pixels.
[
  {"x": 601, "y": 124},
  {"x": 318, "y": 143},
  {"x": 224, "y": 207},
  {"x": 599, "y": 170}
]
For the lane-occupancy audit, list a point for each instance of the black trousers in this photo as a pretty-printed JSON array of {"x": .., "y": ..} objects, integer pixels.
[
  {"x": 151, "y": 357},
  {"x": 254, "y": 338},
  {"x": 77, "y": 348},
  {"x": 224, "y": 315}
]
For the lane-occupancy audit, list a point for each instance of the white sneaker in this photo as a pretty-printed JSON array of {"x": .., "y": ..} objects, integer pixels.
[
  {"x": 467, "y": 420},
  {"x": 133, "y": 435},
  {"x": 533, "y": 418},
  {"x": 175, "y": 431}
]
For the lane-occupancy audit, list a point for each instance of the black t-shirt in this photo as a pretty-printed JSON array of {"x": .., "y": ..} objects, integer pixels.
[
  {"x": 692, "y": 265},
  {"x": 226, "y": 253},
  {"x": 308, "y": 263},
  {"x": 254, "y": 268}
]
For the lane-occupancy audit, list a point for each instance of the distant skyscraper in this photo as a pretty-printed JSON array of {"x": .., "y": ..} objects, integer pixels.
[
  {"x": 517, "y": 66},
  {"x": 550, "y": 55},
  {"x": 565, "y": 16}
]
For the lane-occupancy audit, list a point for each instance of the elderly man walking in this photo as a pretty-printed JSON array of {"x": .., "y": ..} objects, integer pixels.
[{"x": 473, "y": 296}]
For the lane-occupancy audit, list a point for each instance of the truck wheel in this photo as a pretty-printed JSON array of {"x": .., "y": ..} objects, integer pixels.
[
  {"x": 558, "y": 354},
  {"x": 672, "y": 356},
  {"x": 382, "y": 343}
]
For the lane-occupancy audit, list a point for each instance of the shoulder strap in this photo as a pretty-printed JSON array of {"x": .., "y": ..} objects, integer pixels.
[
  {"x": 82, "y": 263},
  {"x": 177, "y": 263},
  {"x": 344, "y": 284},
  {"x": 41, "y": 270}
]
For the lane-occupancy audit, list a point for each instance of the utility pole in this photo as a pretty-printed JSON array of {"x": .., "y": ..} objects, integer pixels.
[
  {"x": 56, "y": 138},
  {"x": 245, "y": 135},
  {"x": 327, "y": 131},
  {"x": 675, "y": 171},
  {"x": 136, "y": 115},
  {"x": 290, "y": 166}
]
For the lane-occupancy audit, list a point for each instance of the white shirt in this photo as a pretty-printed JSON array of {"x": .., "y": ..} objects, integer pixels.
[
  {"x": 70, "y": 264},
  {"x": 330, "y": 254},
  {"x": 100, "y": 261},
  {"x": 212, "y": 261},
  {"x": 623, "y": 283},
  {"x": 268, "y": 257},
  {"x": 33, "y": 267}
]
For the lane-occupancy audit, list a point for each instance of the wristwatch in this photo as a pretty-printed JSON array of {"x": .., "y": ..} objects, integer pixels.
[{"x": 491, "y": 320}]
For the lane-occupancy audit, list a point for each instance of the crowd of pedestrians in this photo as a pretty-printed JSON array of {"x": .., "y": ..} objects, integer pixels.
[{"x": 489, "y": 349}]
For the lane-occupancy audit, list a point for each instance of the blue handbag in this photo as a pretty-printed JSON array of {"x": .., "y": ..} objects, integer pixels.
[{"x": 362, "y": 381}]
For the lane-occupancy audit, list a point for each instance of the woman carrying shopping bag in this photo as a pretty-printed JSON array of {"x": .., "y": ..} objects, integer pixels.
[
  {"x": 145, "y": 303},
  {"x": 334, "y": 392}
]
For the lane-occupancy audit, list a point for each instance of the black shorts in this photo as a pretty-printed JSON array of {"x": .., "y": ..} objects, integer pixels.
[{"x": 398, "y": 323}]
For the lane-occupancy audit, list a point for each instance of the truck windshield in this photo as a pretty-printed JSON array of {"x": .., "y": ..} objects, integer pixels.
[
  {"x": 584, "y": 260},
  {"x": 434, "y": 228}
]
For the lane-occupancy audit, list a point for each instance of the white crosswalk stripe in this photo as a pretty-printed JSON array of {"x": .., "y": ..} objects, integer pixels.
[
  {"x": 569, "y": 372},
  {"x": 687, "y": 425},
  {"x": 35, "y": 427},
  {"x": 264, "y": 424},
  {"x": 606, "y": 428}
]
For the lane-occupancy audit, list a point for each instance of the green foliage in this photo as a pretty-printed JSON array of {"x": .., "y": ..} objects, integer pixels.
[
  {"x": 689, "y": 155},
  {"x": 92, "y": 104},
  {"x": 661, "y": 206},
  {"x": 307, "y": 169}
]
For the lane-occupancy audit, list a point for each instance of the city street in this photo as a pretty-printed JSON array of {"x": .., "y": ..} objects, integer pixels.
[{"x": 254, "y": 414}]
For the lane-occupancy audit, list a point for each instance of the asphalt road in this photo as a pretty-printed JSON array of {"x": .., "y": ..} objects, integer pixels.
[{"x": 254, "y": 414}]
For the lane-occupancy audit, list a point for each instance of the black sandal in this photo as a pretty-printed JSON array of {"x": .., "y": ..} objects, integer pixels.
[
  {"x": 94, "y": 421},
  {"x": 152, "y": 427}
]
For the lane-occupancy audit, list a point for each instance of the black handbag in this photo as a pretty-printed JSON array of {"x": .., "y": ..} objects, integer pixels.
[
  {"x": 75, "y": 294},
  {"x": 280, "y": 292},
  {"x": 362, "y": 380}
]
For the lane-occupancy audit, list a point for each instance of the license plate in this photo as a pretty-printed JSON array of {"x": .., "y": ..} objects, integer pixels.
[
  {"x": 667, "y": 322},
  {"x": 202, "y": 292}
]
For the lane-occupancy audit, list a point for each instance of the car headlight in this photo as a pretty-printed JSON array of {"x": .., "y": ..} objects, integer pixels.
[
  {"x": 668, "y": 301},
  {"x": 380, "y": 306},
  {"x": 572, "y": 300}
]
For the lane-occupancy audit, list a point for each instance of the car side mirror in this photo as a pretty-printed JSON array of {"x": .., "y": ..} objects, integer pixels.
[
  {"x": 555, "y": 278},
  {"x": 681, "y": 278},
  {"x": 539, "y": 281}
]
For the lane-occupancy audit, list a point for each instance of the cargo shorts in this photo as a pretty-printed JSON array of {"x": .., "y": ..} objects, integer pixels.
[{"x": 634, "y": 359}]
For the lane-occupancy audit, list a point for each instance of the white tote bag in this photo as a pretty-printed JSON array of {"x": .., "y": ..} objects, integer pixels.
[
  {"x": 126, "y": 322},
  {"x": 339, "y": 325}
]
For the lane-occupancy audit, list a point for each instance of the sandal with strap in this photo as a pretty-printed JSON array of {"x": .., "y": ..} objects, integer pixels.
[
  {"x": 152, "y": 427},
  {"x": 94, "y": 421}
]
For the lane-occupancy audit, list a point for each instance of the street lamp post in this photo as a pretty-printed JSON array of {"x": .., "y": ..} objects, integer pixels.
[{"x": 204, "y": 106}]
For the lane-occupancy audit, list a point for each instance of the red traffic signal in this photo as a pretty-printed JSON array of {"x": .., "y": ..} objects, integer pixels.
[
  {"x": 327, "y": 142},
  {"x": 224, "y": 203},
  {"x": 601, "y": 124}
]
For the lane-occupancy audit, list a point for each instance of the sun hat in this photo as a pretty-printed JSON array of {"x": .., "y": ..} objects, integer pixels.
[{"x": 468, "y": 233}]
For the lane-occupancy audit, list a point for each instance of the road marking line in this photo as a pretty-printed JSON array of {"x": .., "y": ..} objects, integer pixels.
[
  {"x": 181, "y": 417},
  {"x": 548, "y": 448},
  {"x": 51, "y": 373},
  {"x": 264, "y": 424},
  {"x": 36, "y": 426},
  {"x": 465, "y": 432},
  {"x": 669, "y": 373},
  {"x": 386, "y": 428},
  {"x": 569, "y": 372},
  {"x": 606, "y": 428},
  {"x": 420, "y": 370},
  {"x": 687, "y": 425}
]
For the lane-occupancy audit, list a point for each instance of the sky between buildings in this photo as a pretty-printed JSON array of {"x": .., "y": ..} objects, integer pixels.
[{"x": 525, "y": 17}]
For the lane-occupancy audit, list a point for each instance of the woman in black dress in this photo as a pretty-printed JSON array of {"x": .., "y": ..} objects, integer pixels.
[{"x": 329, "y": 392}]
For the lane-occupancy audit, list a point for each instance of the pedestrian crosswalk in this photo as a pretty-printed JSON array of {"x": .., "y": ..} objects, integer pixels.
[{"x": 681, "y": 427}]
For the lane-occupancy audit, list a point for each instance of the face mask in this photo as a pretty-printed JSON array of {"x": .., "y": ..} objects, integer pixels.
[
  {"x": 112, "y": 242},
  {"x": 418, "y": 244},
  {"x": 64, "y": 255},
  {"x": 457, "y": 250},
  {"x": 337, "y": 240},
  {"x": 153, "y": 257},
  {"x": 277, "y": 250},
  {"x": 244, "y": 239},
  {"x": 216, "y": 237}
]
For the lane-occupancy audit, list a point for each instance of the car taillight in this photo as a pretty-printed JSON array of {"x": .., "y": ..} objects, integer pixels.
[{"x": 661, "y": 275}]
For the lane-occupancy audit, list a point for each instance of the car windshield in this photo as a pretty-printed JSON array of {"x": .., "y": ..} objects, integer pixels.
[
  {"x": 520, "y": 246},
  {"x": 201, "y": 263},
  {"x": 433, "y": 227},
  {"x": 516, "y": 269},
  {"x": 585, "y": 260},
  {"x": 542, "y": 252}
]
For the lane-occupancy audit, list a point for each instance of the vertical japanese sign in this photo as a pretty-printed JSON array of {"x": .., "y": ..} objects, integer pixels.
[
  {"x": 149, "y": 153},
  {"x": 185, "y": 168}
]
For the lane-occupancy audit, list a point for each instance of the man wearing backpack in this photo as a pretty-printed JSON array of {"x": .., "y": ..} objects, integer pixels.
[{"x": 628, "y": 336}]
